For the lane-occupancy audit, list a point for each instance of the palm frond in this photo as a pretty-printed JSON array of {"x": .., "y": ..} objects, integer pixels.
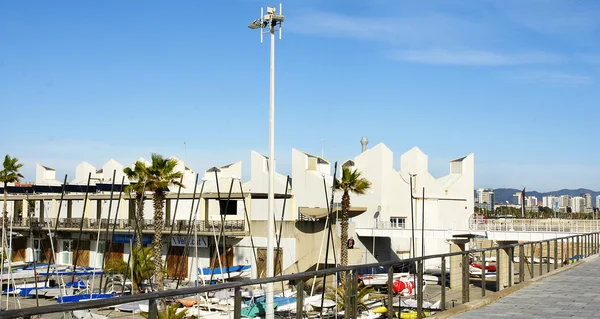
[{"x": 10, "y": 170}]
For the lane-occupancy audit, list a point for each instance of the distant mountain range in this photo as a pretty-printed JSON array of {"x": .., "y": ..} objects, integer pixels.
[{"x": 501, "y": 195}]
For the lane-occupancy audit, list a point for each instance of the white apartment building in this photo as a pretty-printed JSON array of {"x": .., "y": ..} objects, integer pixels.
[
  {"x": 550, "y": 202},
  {"x": 531, "y": 201},
  {"x": 578, "y": 204}
]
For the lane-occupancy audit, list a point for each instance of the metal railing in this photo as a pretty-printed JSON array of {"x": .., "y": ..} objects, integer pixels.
[
  {"x": 536, "y": 225},
  {"x": 568, "y": 250},
  {"x": 128, "y": 224}
]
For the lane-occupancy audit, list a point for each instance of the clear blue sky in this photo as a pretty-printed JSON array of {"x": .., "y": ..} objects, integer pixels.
[{"x": 513, "y": 81}]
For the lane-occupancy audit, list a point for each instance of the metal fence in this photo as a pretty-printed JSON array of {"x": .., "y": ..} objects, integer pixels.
[
  {"x": 535, "y": 225},
  {"x": 529, "y": 256},
  {"x": 128, "y": 224}
]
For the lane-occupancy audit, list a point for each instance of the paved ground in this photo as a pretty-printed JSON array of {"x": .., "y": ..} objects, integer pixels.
[{"x": 569, "y": 294}]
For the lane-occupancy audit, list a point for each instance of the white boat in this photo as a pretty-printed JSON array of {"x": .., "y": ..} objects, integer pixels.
[
  {"x": 382, "y": 279},
  {"x": 86, "y": 314},
  {"x": 134, "y": 307},
  {"x": 233, "y": 272}
]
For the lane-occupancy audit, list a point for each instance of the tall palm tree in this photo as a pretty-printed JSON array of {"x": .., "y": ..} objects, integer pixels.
[
  {"x": 138, "y": 174},
  {"x": 161, "y": 175},
  {"x": 351, "y": 182},
  {"x": 8, "y": 174}
]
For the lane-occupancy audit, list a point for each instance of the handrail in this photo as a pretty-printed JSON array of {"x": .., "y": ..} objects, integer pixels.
[{"x": 588, "y": 239}]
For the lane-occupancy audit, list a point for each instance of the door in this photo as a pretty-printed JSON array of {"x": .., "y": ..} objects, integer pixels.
[
  {"x": 19, "y": 246},
  {"x": 177, "y": 265},
  {"x": 83, "y": 252},
  {"x": 37, "y": 250},
  {"x": 224, "y": 260},
  {"x": 47, "y": 249},
  {"x": 261, "y": 255},
  {"x": 66, "y": 252}
]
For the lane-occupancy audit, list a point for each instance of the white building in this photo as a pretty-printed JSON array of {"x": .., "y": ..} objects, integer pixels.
[
  {"x": 578, "y": 204},
  {"x": 376, "y": 216},
  {"x": 550, "y": 202},
  {"x": 449, "y": 201}
]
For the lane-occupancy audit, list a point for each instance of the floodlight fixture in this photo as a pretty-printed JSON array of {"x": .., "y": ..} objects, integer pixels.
[{"x": 272, "y": 20}]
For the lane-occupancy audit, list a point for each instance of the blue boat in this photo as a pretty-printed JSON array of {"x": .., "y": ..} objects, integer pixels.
[
  {"x": 234, "y": 272},
  {"x": 83, "y": 297}
]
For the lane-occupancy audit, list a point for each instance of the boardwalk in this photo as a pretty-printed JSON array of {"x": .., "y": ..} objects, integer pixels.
[{"x": 569, "y": 294}]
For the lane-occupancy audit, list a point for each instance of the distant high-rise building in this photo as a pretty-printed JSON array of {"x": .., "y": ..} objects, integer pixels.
[
  {"x": 550, "y": 201},
  {"x": 588, "y": 201},
  {"x": 598, "y": 201},
  {"x": 563, "y": 202},
  {"x": 578, "y": 204},
  {"x": 485, "y": 196},
  {"x": 517, "y": 198},
  {"x": 531, "y": 201}
]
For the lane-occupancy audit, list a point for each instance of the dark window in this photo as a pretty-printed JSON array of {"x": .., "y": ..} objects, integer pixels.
[{"x": 231, "y": 207}]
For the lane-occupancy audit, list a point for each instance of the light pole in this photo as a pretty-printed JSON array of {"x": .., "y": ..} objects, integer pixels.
[
  {"x": 375, "y": 217},
  {"x": 271, "y": 20}
]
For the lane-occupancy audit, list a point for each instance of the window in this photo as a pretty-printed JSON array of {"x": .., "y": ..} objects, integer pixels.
[
  {"x": 37, "y": 251},
  {"x": 398, "y": 222},
  {"x": 67, "y": 252},
  {"x": 231, "y": 207}
]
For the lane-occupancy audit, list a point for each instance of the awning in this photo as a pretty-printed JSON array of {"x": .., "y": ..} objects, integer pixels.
[{"x": 318, "y": 212}]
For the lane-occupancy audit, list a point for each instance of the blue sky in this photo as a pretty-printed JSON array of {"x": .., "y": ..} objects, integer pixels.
[{"x": 513, "y": 81}]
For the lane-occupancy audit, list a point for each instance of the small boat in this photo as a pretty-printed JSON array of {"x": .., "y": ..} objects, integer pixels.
[
  {"x": 134, "y": 307},
  {"x": 256, "y": 309},
  {"x": 233, "y": 272},
  {"x": 83, "y": 296},
  {"x": 86, "y": 314}
]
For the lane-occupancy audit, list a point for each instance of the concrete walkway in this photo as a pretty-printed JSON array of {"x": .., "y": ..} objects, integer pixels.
[{"x": 570, "y": 294}]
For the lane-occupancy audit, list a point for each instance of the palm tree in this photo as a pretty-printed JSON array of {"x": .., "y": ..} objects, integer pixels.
[
  {"x": 9, "y": 174},
  {"x": 170, "y": 313},
  {"x": 339, "y": 295},
  {"x": 142, "y": 266},
  {"x": 161, "y": 175},
  {"x": 138, "y": 175},
  {"x": 351, "y": 182}
]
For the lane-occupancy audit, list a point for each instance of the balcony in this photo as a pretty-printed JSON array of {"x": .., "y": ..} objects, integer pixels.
[{"x": 121, "y": 225}]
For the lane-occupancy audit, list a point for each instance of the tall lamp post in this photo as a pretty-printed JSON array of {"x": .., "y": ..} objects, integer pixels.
[{"x": 271, "y": 21}]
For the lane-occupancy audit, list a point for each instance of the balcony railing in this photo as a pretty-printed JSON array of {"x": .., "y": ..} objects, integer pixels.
[{"x": 129, "y": 224}]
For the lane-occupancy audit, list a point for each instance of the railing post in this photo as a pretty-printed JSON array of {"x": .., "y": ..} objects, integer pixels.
[
  {"x": 532, "y": 261},
  {"x": 483, "y": 274},
  {"x": 300, "y": 299},
  {"x": 419, "y": 289},
  {"x": 541, "y": 256},
  {"x": 569, "y": 250},
  {"x": 348, "y": 288},
  {"x": 465, "y": 277},
  {"x": 577, "y": 248},
  {"x": 555, "y": 254},
  {"x": 521, "y": 263},
  {"x": 237, "y": 307},
  {"x": 498, "y": 265},
  {"x": 390, "y": 292},
  {"x": 511, "y": 273},
  {"x": 548, "y": 256},
  {"x": 443, "y": 295},
  {"x": 153, "y": 309},
  {"x": 354, "y": 293}
]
